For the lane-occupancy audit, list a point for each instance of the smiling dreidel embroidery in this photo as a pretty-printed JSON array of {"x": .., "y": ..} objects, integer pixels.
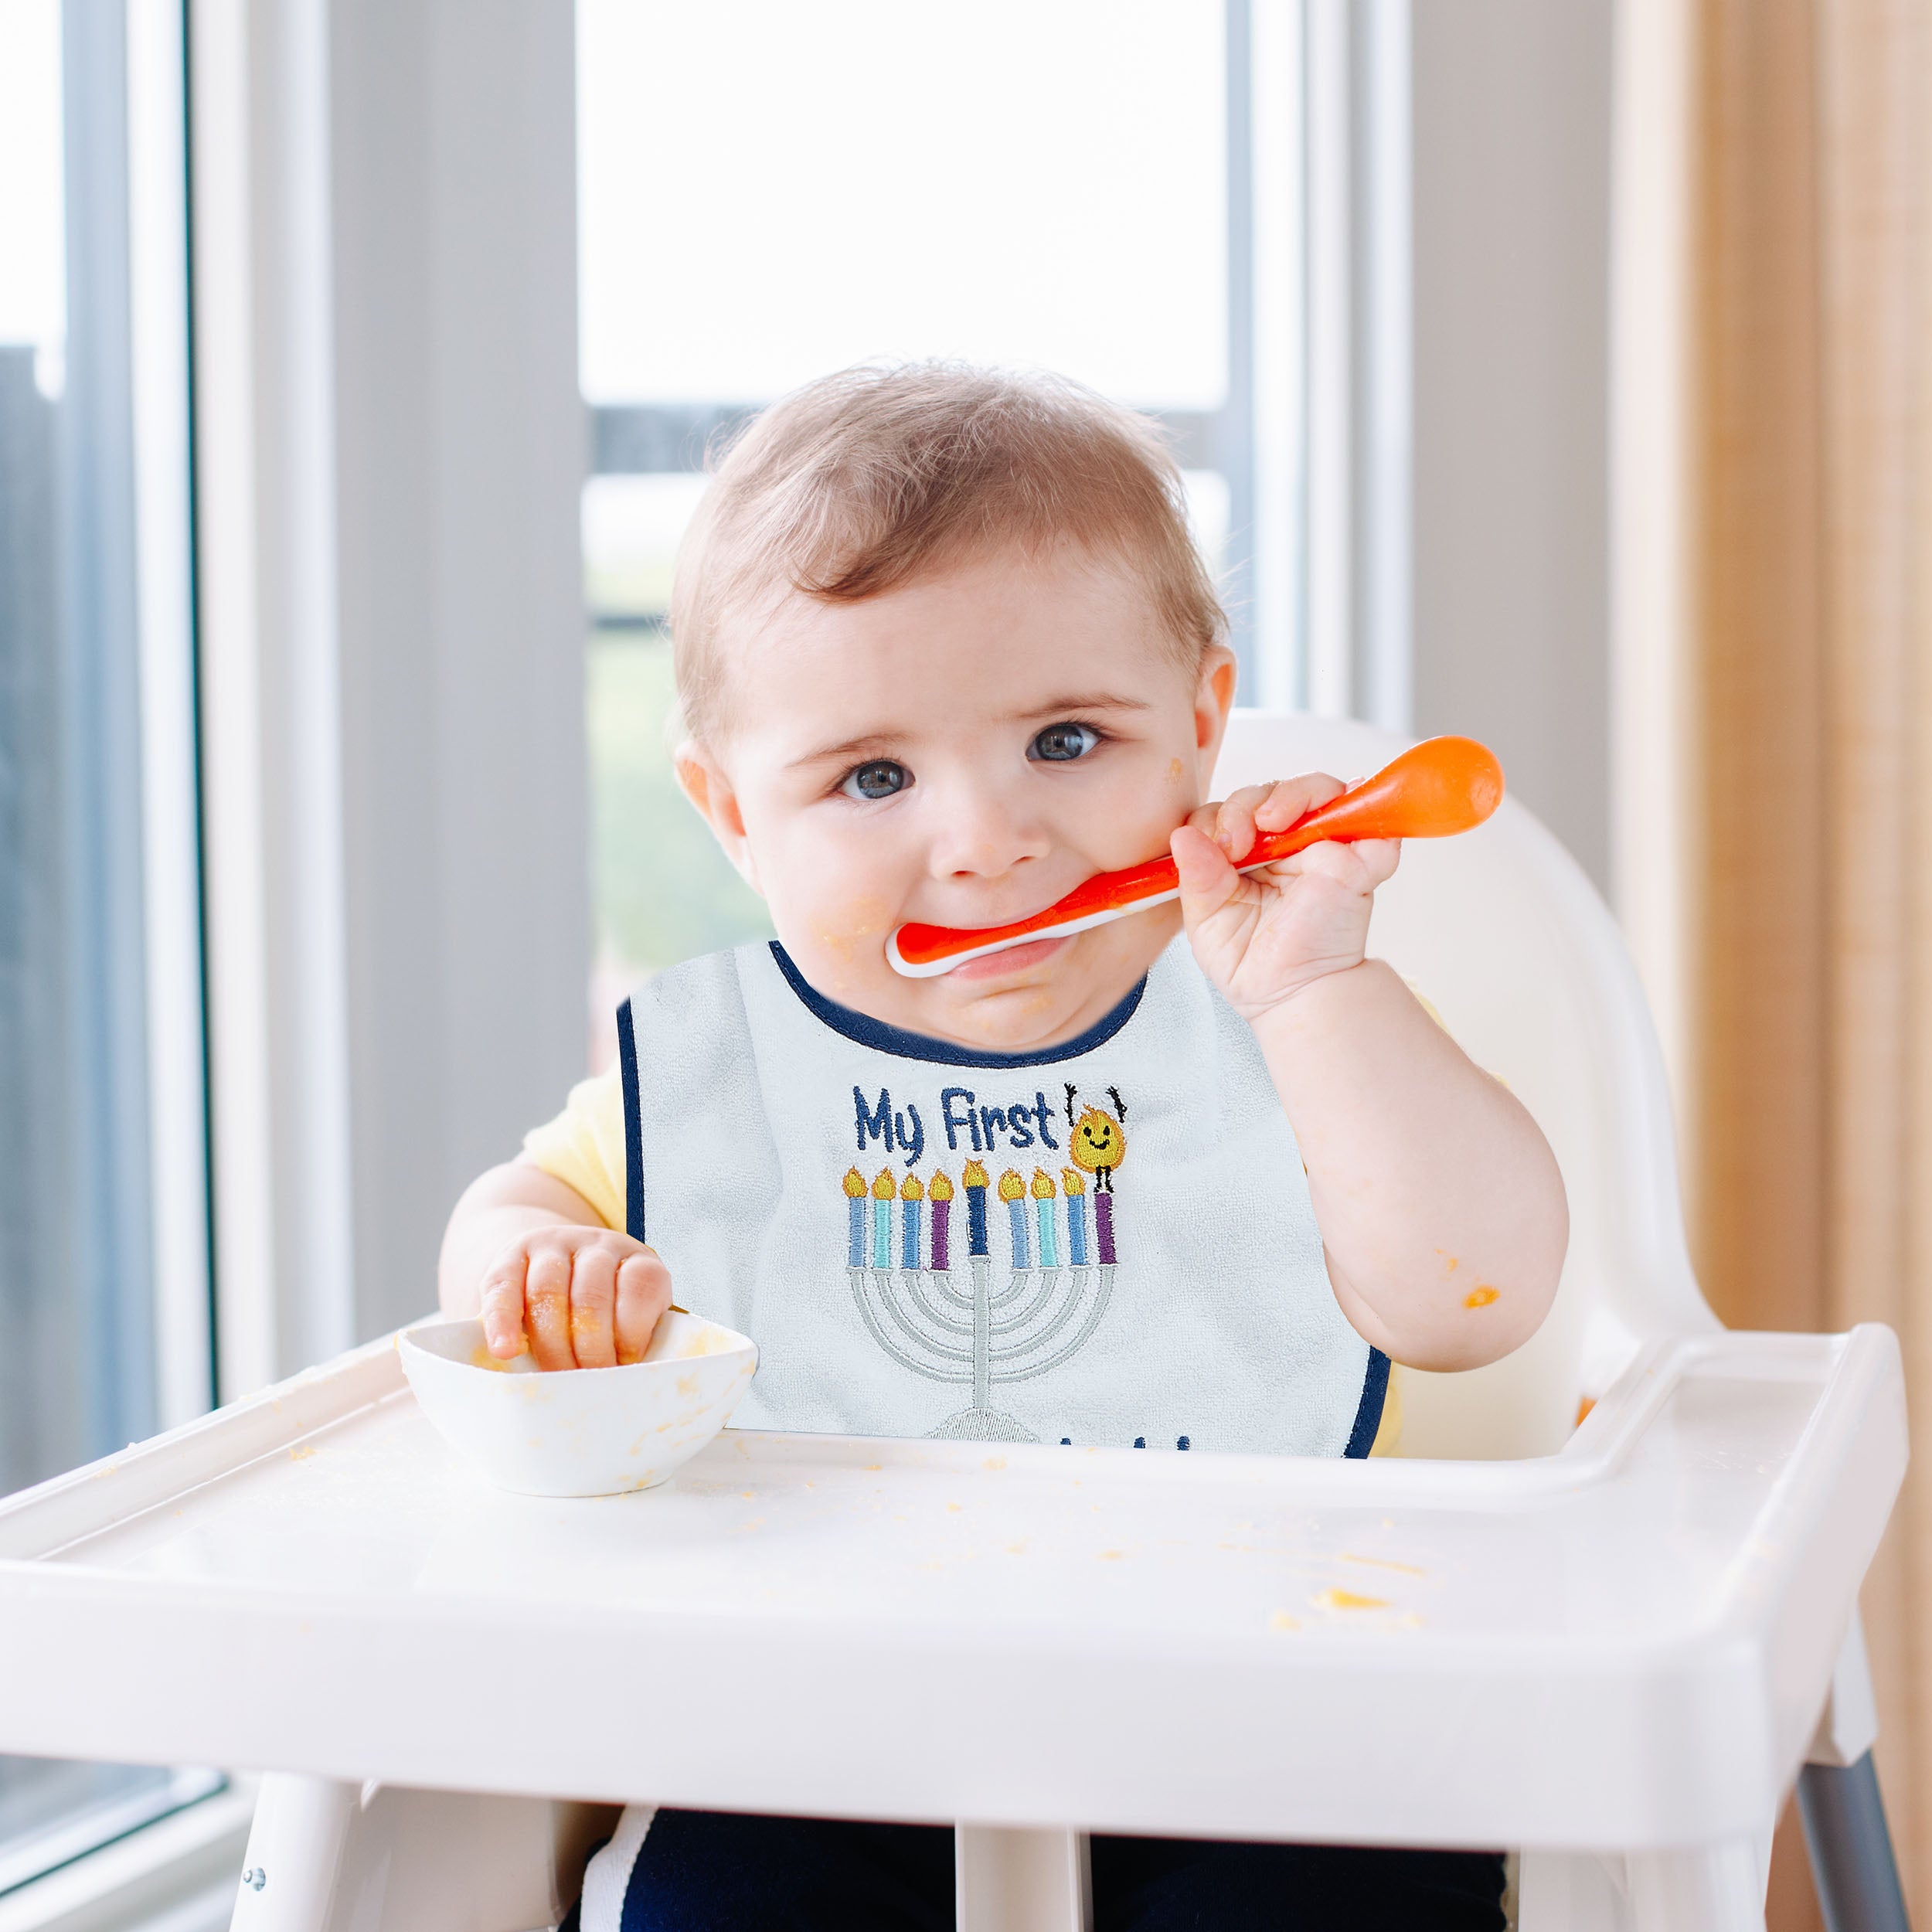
[{"x": 978, "y": 1333}]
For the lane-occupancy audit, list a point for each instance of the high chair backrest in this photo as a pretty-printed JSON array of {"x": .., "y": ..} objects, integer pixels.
[{"x": 1502, "y": 932}]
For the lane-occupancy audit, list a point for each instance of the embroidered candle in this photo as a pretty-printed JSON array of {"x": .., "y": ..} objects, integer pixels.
[
  {"x": 855, "y": 1218},
  {"x": 941, "y": 1192},
  {"x": 1043, "y": 1192},
  {"x": 1074, "y": 1182},
  {"x": 1103, "y": 1223},
  {"x": 1012, "y": 1191},
  {"x": 976, "y": 1209},
  {"x": 911, "y": 1210},
  {"x": 884, "y": 1192}
]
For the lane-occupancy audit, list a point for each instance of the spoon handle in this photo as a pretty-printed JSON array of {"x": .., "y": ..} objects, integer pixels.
[{"x": 1433, "y": 790}]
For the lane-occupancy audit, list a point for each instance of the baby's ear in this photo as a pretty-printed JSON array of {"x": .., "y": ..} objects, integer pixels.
[
  {"x": 1213, "y": 699},
  {"x": 704, "y": 782}
]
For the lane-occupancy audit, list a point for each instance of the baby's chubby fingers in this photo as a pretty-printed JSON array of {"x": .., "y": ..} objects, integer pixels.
[
  {"x": 579, "y": 1297},
  {"x": 593, "y": 1302},
  {"x": 546, "y": 1306},
  {"x": 1208, "y": 878},
  {"x": 1287, "y": 799},
  {"x": 502, "y": 1303},
  {"x": 1230, "y": 822},
  {"x": 1379, "y": 859},
  {"x": 1236, "y": 821},
  {"x": 1362, "y": 865},
  {"x": 643, "y": 1293}
]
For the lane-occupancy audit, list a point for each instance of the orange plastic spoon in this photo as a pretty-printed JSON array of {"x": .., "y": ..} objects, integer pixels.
[{"x": 1438, "y": 788}]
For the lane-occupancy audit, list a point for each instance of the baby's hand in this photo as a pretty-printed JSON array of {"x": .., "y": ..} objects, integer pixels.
[
  {"x": 587, "y": 1297},
  {"x": 1262, "y": 936}
]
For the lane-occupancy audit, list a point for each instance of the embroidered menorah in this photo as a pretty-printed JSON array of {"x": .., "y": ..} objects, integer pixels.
[{"x": 970, "y": 1326}]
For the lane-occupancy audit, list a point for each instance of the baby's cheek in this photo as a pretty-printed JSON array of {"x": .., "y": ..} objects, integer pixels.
[{"x": 840, "y": 931}]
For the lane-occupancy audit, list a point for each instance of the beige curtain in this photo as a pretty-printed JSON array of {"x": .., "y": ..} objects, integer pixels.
[{"x": 1774, "y": 730}]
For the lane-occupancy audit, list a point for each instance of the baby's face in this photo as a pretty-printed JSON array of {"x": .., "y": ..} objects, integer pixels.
[{"x": 962, "y": 751}]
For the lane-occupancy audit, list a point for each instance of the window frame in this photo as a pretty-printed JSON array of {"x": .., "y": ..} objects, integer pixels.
[{"x": 129, "y": 504}]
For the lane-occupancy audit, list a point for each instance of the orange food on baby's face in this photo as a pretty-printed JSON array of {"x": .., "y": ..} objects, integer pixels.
[{"x": 1481, "y": 1296}]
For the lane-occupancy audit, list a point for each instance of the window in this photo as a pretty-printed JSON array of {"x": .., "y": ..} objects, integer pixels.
[
  {"x": 104, "y": 1274},
  {"x": 769, "y": 192}
]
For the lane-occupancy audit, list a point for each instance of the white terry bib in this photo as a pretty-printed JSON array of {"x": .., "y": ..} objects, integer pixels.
[{"x": 1111, "y": 1242}]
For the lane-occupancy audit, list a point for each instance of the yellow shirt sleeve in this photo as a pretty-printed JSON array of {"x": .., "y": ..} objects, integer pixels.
[
  {"x": 1388, "y": 1441},
  {"x": 583, "y": 1146}
]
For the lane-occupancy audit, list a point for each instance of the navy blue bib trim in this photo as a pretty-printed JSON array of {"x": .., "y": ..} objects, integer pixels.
[
  {"x": 633, "y": 1125},
  {"x": 867, "y": 1031},
  {"x": 1368, "y": 1417}
]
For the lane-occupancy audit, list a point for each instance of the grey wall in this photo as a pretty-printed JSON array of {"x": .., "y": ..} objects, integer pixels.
[
  {"x": 1511, "y": 212},
  {"x": 460, "y": 447}
]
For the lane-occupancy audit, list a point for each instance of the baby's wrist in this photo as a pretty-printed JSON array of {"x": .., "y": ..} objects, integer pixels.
[{"x": 1288, "y": 1006}]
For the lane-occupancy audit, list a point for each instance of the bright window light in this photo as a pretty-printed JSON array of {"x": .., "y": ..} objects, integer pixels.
[
  {"x": 769, "y": 192},
  {"x": 33, "y": 305}
]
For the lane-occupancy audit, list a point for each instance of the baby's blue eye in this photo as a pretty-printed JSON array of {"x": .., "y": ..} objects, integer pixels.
[
  {"x": 877, "y": 778},
  {"x": 1058, "y": 743}
]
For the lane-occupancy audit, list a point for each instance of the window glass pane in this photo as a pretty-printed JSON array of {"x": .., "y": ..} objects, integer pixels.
[
  {"x": 773, "y": 191},
  {"x": 79, "y": 820},
  {"x": 768, "y": 192}
]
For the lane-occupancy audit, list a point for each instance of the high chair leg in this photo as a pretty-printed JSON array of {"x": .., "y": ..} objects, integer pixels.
[
  {"x": 1713, "y": 1888},
  {"x": 1837, "y": 1797},
  {"x": 327, "y": 1856},
  {"x": 1851, "y": 1847},
  {"x": 296, "y": 1847},
  {"x": 1021, "y": 1881},
  {"x": 1571, "y": 1892}
]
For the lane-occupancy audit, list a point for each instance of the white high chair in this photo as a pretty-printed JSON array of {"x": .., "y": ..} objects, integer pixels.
[{"x": 1608, "y": 1645}]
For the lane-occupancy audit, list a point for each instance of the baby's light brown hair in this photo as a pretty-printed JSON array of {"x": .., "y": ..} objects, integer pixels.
[{"x": 871, "y": 479}]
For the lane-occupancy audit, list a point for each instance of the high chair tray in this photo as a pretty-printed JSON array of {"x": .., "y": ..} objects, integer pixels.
[{"x": 1623, "y": 1646}]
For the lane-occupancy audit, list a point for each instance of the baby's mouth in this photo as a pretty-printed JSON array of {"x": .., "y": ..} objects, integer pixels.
[{"x": 1011, "y": 959}]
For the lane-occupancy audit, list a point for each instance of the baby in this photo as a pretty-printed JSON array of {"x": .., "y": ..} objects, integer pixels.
[{"x": 944, "y": 649}]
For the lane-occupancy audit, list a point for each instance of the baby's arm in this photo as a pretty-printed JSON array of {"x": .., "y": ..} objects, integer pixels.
[
  {"x": 1440, "y": 1202},
  {"x": 530, "y": 1254}
]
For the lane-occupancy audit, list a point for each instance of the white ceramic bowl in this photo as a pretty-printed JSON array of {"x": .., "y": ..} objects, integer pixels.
[{"x": 579, "y": 1432}]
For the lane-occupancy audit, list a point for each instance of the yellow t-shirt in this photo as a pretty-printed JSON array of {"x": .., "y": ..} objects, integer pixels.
[{"x": 584, "y": 1148}]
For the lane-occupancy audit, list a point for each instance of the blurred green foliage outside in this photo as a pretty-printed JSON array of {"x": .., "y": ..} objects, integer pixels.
[{"x": 662, "y": 890}]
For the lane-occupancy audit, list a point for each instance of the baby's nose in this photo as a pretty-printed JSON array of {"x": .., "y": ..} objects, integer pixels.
[{"x": 982, "y": 836}]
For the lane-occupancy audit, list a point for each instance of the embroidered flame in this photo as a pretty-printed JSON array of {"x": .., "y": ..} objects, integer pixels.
[
  {"x": 884, "y": 1187},
  {"x": 975, "y": 1174},
  {"x": 910, "y": 1189},
  {"x": 855, "y": 1183},
  {"x": 1011, "y": 1186},
  {"x": 1098, "y": 1141},
  {"x": 942, "y": 1187},
  {"x": 1072, "y": 1180},
  {"x": 1043, "y": 1189}
]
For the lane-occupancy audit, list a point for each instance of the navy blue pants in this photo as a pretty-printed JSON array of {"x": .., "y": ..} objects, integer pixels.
[{"x": 715, "y": 1872}]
